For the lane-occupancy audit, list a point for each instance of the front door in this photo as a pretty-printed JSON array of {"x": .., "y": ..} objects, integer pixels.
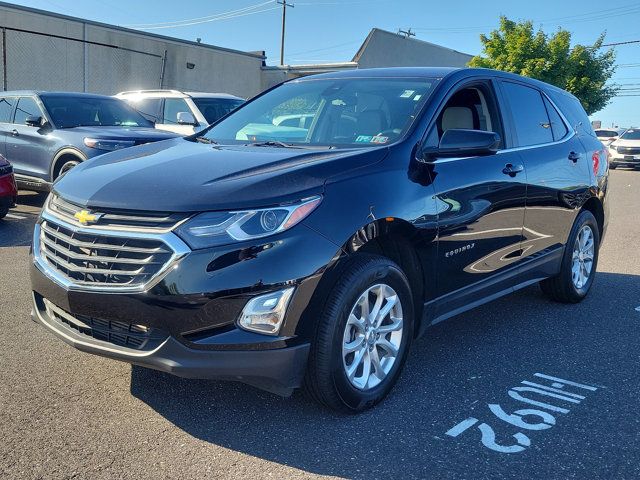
[
  {"x": 27, "y": 147},
  {"x": 480, "y": 230}
]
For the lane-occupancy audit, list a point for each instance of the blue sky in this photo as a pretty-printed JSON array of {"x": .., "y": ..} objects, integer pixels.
[{"x": 332, "y": 30}]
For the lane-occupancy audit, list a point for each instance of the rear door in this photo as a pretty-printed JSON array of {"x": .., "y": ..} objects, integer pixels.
[
  {"x": 557, "y": 176},
  {"x": 483, "y": 199}
]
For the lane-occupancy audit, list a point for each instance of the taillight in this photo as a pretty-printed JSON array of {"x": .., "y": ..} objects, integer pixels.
[{"x": 595, "y": 158}]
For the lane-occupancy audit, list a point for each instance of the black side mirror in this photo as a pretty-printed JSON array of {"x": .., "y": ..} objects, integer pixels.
[
  {"x": 33, "y": 121},
  {"x": 467, "y": 143}
]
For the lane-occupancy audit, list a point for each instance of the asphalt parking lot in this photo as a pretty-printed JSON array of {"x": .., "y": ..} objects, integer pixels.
[{"x": 65, "y": 414}]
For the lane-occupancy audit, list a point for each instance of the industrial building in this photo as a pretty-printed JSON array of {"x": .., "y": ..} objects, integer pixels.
[{"x": 46, "y": 51}]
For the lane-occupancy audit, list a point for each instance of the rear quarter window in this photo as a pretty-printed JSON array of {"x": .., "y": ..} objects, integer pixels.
[{"x": 573, "y": 111}]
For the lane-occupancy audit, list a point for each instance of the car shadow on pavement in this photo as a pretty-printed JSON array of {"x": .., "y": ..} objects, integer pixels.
[
  {"x": 474, "y": 357},
  {"x": 16, "y": 229}
]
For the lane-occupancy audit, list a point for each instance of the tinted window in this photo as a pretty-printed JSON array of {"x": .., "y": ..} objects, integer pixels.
[
  {"x": 6, "y": 107},
  {"x": 631, "y": 134},
  {"x": 606, "y": 133},
  {"x": 27, "y": 107},
  {"x": 68, "y": 111},
  {"x": 173, "y": 106},
  {"x": 558, "y": 128},
  {"x": 531, "y": 122},
  {"x": 572, "y": 109},
  {"x": 149, "y": 108},
  {"x": 214, "y": 109},
  {"x": 345, "y": 111}
]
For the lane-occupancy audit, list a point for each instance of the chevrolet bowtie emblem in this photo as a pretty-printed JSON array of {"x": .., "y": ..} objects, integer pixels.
[{"x": 85, "y": 217}]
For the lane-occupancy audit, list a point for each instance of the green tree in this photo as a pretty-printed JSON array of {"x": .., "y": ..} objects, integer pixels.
[{"x": 582, "y": 70}]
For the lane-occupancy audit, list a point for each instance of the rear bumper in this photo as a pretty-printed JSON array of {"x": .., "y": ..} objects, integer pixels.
[
  {"x": 277, "y": 370},
  {"x": 8, "y": 191}
]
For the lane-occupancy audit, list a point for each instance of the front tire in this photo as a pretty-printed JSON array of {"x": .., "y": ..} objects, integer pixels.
[
  {"x": 363, "y": 336},
  {"x": 579, "y": 262}
]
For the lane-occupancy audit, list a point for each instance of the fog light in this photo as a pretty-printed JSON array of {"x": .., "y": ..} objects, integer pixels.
[{"x": 265, "y": 313}]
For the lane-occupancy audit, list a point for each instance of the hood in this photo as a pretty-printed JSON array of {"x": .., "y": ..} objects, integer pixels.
[
  {"x": 621, "y": 142},
  {"x": 185, "y": 176},
  {"x": 122, "y": 133}
]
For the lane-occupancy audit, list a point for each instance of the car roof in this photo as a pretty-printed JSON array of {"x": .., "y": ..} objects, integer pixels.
[
  {"x": 39, "y": 93},
  {"x": 175, "y": 94}
]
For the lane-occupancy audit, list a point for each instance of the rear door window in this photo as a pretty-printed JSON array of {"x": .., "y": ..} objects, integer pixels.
[
  {"x": 173, "y": 106},
  {"x": 6, "y": 107},
  {"x": 27, "y": 107},
  {"x": 530, "y": 119}
]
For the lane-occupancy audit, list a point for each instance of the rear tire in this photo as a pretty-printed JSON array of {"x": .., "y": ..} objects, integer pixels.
[
  {"x": 351, "y": 364},
  {"x": 579, "y": 262}
]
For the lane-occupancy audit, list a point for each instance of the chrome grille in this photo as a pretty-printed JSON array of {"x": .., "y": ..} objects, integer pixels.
[
  {"x": 629, "y": 150},
  {"x": 112, "y": 218},
  {"x": 100, "y": 259}
]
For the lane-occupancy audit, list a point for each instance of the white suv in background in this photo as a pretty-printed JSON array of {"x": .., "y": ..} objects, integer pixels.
[
  {"x": 181, "y": 112},
  {"x": 625, "y": 151}
]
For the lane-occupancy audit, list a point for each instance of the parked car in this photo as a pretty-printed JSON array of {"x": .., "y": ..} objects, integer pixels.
[
  {"x": 608, "y": 135},
  {"x": 417, "y": 194},
  {"x": 181, "y": 112},
  {"x": 45, "y": 134},
  {"x": 625, "y": 151},
  {"x": 8, "y": 189}
]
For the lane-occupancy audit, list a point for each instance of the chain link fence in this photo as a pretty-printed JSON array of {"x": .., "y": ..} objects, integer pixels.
[{"x": 37, "y": 61}]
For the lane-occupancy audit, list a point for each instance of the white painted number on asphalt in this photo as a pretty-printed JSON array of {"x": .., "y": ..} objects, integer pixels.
[{"x": 553, "y": 387}]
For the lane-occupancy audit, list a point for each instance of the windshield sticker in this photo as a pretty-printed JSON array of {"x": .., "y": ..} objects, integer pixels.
[
  {"x": 364, "y": 139},
  {"x": 407, "y": 94},
  {"x": 379, "y": 139},
  {"x": 417, "y": 97}
]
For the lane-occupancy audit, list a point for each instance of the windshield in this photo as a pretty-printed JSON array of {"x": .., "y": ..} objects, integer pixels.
[
  {"x": 328, "y": 112},
  {"x": 67, "y": 112},
  {"x": 631, "y": 134},
  {"x": 214, "y": 109}
]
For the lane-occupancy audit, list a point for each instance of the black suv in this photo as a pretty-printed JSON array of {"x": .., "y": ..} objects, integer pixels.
[{"x": 314, "y": 255}]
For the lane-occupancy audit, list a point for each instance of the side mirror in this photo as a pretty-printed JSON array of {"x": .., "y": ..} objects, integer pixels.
[
  {"x": 33, "y": 121},
  {"x": 186, "y": 118},
  {"x": 467, "y": 143}
]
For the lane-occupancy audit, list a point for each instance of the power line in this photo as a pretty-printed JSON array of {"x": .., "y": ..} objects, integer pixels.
[
  {"x": 209, "y": 18},
  {"x": 620, "y": 43}
]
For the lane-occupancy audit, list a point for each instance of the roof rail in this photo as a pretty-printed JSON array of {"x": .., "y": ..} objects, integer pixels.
[{"x": 161, "y": 90}]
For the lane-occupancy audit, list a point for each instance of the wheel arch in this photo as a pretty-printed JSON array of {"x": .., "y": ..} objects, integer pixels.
[
  {"x": 594, "y": 205},
  {"x": 63, "y": 155}
]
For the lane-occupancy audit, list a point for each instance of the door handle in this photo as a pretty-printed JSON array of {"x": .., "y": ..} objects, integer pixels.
[
  {"x": 512, "y": 170},
  {"x": 574, "y": 156},
  {"x": 15, "y": 132}
]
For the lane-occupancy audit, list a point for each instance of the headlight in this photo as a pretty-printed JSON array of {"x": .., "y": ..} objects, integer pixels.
[
  {"x": 211, "y": 229},
  {"x": 108, "y": 145}
]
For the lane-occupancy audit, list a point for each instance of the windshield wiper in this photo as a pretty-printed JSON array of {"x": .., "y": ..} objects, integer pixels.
[
  {"x": 206, "y": 140},
  {"x": 279, "y": 144}
]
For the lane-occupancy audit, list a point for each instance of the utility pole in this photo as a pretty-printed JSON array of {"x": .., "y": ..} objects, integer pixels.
[
  {"x": 406, "y": 33},
  {"x": 284, "y": 19}
]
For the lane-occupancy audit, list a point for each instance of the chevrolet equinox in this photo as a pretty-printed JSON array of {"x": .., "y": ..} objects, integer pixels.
[{"x": 313, "y": 254}]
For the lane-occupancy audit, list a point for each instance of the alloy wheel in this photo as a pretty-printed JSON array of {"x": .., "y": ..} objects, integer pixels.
[
  {"x": 582, "y": 258},
  {"x": 372, "y": 337}
]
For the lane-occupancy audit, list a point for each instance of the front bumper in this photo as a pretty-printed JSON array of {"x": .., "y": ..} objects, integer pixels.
[
  {"x": 195, "y": 306},
  {"x": 622, "y": 159},
  {"x": 278, "y": 371}
]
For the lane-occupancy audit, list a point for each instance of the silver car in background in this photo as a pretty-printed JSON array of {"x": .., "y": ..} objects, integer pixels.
[{"x": 181, "y": 112}]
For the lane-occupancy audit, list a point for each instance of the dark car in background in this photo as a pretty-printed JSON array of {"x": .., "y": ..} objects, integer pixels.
[
  {"x": 45, "y": 134},
  {"x": 8, "y": 189},
  {"x": 313, "y": 254}
]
